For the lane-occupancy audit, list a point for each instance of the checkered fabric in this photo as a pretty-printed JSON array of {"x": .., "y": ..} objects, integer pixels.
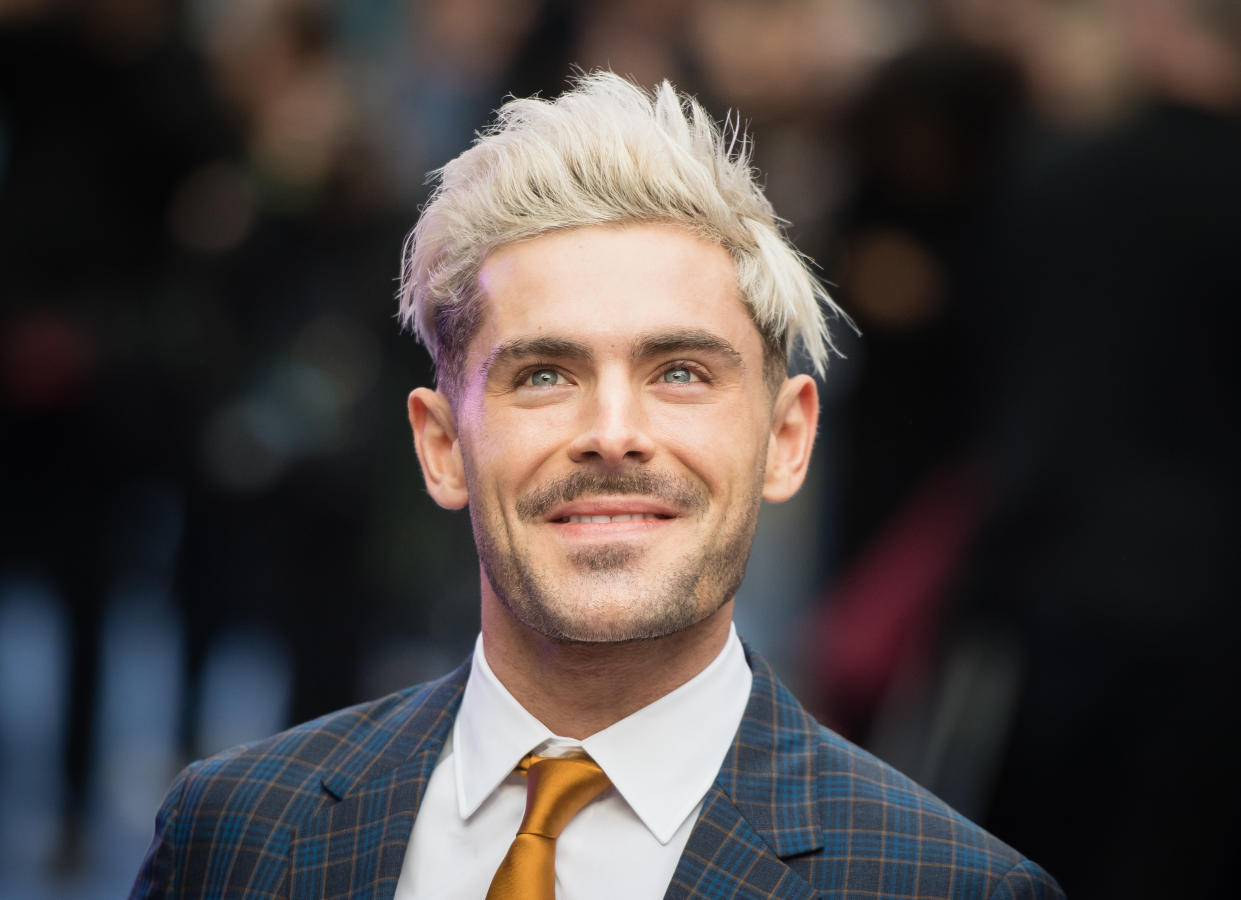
[
  {"x": 325, "y": 811},
  {"x": 797, "y": 812}
]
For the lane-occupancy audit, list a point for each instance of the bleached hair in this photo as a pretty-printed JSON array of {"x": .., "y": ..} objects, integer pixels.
[{"x": 605, "y": 152}]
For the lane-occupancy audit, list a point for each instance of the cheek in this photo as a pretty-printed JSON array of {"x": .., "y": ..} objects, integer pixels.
[
  {"x": 728, "y": 453},
  {"x": 508, "y": 446}
]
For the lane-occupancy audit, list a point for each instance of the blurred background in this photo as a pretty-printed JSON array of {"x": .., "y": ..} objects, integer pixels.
[{"x": 1014, "y": 571}]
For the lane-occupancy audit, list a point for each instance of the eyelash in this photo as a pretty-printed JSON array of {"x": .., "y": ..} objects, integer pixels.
[{"x": 523, "y": 377}]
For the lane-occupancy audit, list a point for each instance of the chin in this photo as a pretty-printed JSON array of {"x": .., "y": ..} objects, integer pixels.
[
  {"x": 614, "y": 620},
  {"x": 604, "y": 595},
  {"x": 611, "y": 621}
]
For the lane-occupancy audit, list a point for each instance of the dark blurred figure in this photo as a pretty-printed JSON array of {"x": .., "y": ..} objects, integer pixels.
[
  {"x": 103, "y": 114},
  {"x": 928, "y": 135},
  {"x": 1109, "y": 287},
  {"x": 276, "y": 494},
  {"x": 1040, "y": 580}
]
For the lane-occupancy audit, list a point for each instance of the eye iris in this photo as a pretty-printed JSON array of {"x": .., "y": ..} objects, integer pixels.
[
  {"x": 677, "y": 376},
  {"x": 544, "y": 377}
]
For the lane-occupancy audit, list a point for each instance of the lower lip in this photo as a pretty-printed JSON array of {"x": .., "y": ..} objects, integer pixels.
[{"x": 610, "y": 530}]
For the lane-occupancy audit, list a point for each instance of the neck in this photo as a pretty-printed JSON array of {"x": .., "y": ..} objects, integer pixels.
[{"x": 578, "y": 689}]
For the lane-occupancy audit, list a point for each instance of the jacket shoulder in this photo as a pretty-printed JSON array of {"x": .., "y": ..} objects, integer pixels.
[
  {"x": 238, "y": 810},
  {"x": 851, "y": 824},
  {"x": 893, "y": 831},
  {"x": 348, "y": 745}
]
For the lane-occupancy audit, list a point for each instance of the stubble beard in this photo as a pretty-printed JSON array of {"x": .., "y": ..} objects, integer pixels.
[{"x": 607, "y": 578}]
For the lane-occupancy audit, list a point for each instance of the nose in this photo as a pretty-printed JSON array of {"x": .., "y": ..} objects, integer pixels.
[{"x": 614, "y": 427}]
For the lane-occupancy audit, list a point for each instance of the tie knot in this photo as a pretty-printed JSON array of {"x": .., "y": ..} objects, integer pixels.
[{"x": 556, "y": 790}]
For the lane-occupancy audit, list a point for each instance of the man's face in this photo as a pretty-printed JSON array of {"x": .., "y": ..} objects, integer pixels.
[{"x": 614, "y": 427}]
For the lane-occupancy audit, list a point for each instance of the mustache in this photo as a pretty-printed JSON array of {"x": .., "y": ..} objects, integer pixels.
[{"x": 679, "y": 493}]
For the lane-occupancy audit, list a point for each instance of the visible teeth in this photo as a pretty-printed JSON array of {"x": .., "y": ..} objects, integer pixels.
[{"x": 603, "y": 520}]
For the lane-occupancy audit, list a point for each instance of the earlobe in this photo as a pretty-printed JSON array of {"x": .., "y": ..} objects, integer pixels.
[
  {"x": 439, "y": 454},
  {"x": 795, "y": 417}
]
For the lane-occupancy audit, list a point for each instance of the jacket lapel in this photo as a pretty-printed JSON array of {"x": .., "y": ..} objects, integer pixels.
[
  {"x": 761, "y": 811},
  {"x": 763, "y": 808},
  {"x": 355, "y": 846}
]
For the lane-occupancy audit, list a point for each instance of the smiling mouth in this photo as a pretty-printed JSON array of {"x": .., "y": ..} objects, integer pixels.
[{"x": 604, "y": 520}]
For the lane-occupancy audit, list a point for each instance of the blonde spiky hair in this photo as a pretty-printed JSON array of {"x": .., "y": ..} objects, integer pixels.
[{"x": 606, "y": 152}]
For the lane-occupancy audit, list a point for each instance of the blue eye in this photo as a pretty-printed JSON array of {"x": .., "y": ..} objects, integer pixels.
[
  {"x": 544, "y": 378},
  {"x": 678, "y": 375}
]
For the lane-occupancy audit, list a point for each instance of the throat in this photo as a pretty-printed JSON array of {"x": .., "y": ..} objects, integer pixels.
[{"x": 578, "y": 689}]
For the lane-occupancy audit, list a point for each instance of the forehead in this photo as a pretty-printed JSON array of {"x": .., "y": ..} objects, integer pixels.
[{"x": 609, "y": 284}]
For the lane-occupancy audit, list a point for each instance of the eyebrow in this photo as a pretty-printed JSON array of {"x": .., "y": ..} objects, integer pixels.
[
  {"x": 689, "y": 341},
  {"x": 663, "y": 343},
  {"x": 525, "y": 348}
]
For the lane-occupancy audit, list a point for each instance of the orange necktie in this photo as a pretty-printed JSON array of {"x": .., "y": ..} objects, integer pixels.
[{"x": 556, "y": 790}]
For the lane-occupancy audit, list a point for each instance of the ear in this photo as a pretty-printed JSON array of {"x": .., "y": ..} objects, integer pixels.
[
  {"x": 435, "y": 440},
  {"x": 795, "y": 416}
]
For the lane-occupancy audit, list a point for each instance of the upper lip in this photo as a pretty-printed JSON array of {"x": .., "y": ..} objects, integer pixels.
[{"x": 611, "y": 506}]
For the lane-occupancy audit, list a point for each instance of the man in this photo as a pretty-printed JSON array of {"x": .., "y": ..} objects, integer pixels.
[{"x": 611, "y": 306}]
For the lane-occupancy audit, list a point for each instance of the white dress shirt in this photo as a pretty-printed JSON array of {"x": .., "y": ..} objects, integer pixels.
[{"x": 626, "y": 844}]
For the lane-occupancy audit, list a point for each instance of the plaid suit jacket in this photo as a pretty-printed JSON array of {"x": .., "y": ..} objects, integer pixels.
[{"x": 325, "y": 811}]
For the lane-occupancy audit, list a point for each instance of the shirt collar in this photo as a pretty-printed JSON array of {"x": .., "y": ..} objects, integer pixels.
[{"x": 661, "y": 759}]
